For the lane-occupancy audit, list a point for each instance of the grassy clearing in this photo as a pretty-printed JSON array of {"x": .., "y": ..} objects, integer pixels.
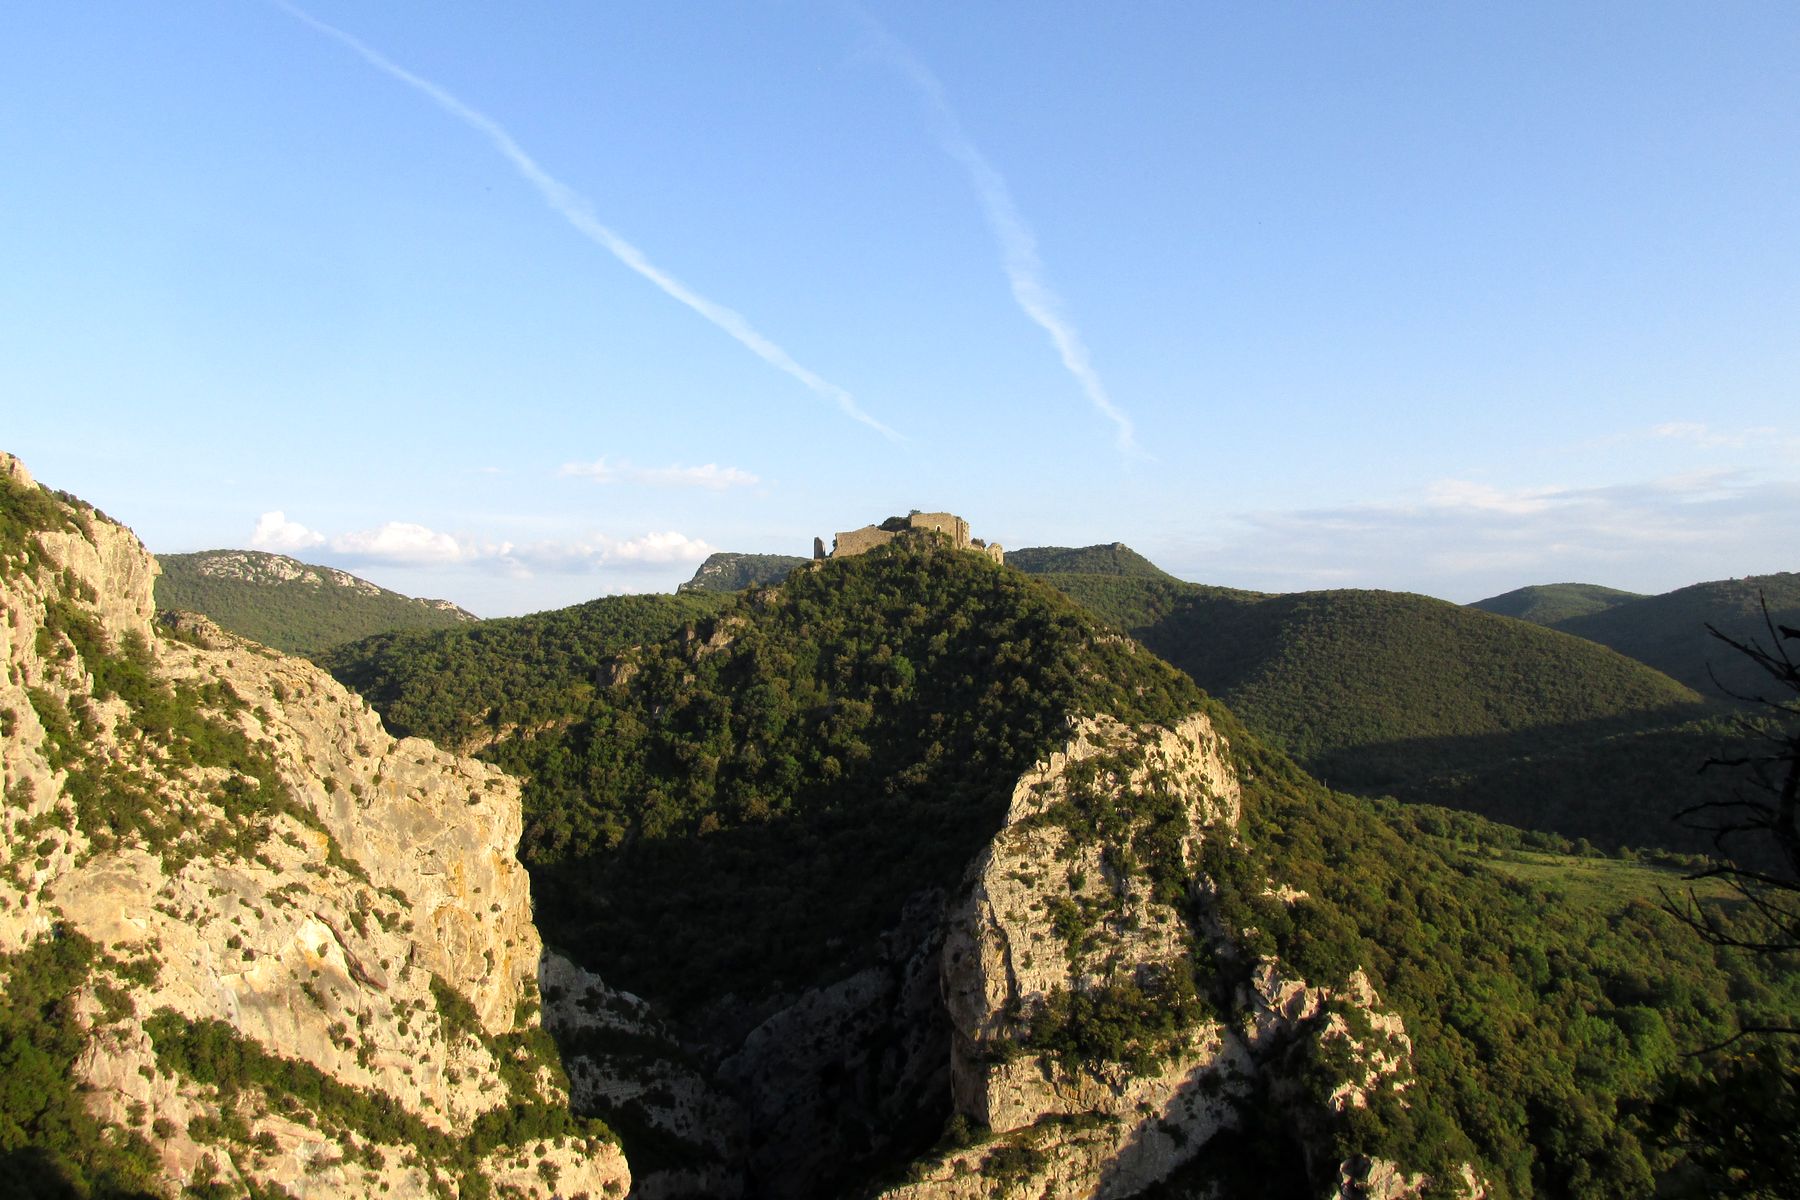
[{"x": 1606, "y": 884}]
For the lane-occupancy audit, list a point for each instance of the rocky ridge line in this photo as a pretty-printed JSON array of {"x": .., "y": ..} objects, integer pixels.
[{"x": 261, "y": 567}]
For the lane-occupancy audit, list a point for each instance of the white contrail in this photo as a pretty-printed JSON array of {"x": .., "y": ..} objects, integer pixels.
[
  {"x": 575, "y": 209},
  {"x": 1018, "y": 248}
]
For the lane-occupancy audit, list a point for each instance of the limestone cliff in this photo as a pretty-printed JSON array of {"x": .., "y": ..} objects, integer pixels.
[
  {"x": 311, "y": 963},
  {"x": 1075, "y": 1021},
  {"x": 1085, "y": 1060}
]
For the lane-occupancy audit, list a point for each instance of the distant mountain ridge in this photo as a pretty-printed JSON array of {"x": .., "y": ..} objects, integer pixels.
[
  {"x": 1669, "y": 631},
  {"x": 728, "y": 571},
  {"x": 1438, "y": 703},
  {"x": 1550, "y": 603},
  {"x": 301, "y": 608},
  {"x": 1115, "y": 558}
]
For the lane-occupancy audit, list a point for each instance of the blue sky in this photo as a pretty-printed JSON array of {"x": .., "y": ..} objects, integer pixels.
[{"x": 520, "y": 305}]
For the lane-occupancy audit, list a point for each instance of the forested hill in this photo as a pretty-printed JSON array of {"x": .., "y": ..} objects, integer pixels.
[
  {"x": 1326, "y": 672},
  {"x": 290, "y": 605},
  {"x": 1429, "y": 701},
  {"x": 1115, "y": 558},
  {"x": 756, "y": 818},
  {"x": 464, "y": 687},
  {"x": 1549, "y": 603},
  {"x": 756, "y": 797},
  {"x": 726, "y": 571},
  {"x": 1670, "y": 631}
]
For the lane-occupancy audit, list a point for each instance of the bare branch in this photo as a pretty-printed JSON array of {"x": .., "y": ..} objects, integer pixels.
[{"x": 1740, "y": 1035}]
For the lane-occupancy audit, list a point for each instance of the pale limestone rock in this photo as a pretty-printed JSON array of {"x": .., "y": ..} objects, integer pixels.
[
  {"x": 316, "y": 935},
  {"x": 1067, "y": 1131},
  {"x": 261, "y": 567},
  {"x": 1004, "y": 958}
]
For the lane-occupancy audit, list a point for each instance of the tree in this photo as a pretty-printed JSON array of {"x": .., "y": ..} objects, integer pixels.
[
  {"x": 1738, "y": 1125},
  {"x": 1765, "y": 807}
]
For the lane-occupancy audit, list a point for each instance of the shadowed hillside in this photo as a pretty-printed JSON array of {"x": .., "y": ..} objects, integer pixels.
[
  {"x": 1388, "y": 692},
  {"x": 1669, "y": 631}
]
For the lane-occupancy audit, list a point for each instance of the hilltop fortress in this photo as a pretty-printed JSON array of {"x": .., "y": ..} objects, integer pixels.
[{"x": 861, "y": 541}]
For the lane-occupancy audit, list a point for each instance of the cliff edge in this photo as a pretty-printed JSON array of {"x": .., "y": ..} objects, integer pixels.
[{"x": 280, "y": 951}]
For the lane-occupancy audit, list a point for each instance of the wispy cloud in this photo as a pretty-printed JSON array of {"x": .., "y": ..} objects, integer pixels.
[
  {"x": 1451, "y": 494},
  {"x": 1765, "y": 440},
  {"x": 576, "y": 210},
  {"x": 407, "y": 544},
  {"x": 1464, "y": 540},
  {"x": 1018, "y": 246},
  {"x": 711, "y": 476},
  {"x": 1701, "y": 434}
]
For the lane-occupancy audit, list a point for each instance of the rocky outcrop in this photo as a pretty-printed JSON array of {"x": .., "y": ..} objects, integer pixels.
[
  {"x": 1091, "y": 1055},
  {"x": 1069, "y": 941},
  {"x": 269, "y": 881},
  {"x": 628, "y": 1066}
]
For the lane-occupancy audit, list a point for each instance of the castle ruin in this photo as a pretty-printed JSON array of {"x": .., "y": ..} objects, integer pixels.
[{"x": 860, "y": 541}]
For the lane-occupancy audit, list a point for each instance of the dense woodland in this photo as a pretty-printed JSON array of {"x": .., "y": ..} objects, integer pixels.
[
  {"x": 1384, "y": 693},
  {"x": 757, "y": 795},
  {"x": 1555, "y": 1004},
  {"x": 1663, "y": 630},
  {"x": 468, "y": 686},
  {"x": 756, "y": 798}
]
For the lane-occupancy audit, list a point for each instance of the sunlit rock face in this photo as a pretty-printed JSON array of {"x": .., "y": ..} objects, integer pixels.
[
  {"x": 1065, "y": 909},
  {"x": 255, "y": 859}
]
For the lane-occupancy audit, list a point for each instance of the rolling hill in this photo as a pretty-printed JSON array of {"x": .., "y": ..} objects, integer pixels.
[
  {"x": 1385, "y": 692},
  {"x": 1669, "y": 631},
  {"x": 1549, "y": 603},
  {"x": 290, "y": 605},
  {"x": 1328, "y": 673},
  {"x": 1115, "y": 558}
]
